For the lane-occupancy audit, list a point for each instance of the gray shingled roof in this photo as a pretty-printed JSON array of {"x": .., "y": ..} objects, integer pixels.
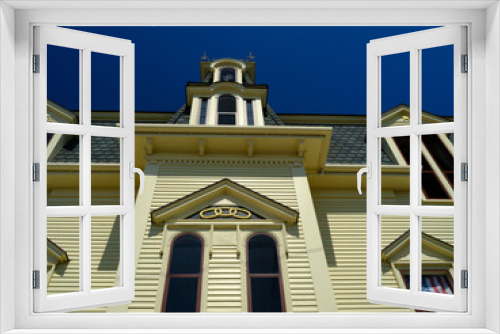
[
  {"x": 348, "y": 145},
  {"x": 181, "y": 116},
  {"x": 104, "y": 149},
  {"x": 348, "y": 142}
]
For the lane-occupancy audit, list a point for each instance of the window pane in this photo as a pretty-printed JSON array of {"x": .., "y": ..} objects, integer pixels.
[
  {"x": 227, "y": 119},
  {"x": 395, "y": 87},
  {"x": 437, "y": 253},
  {"x": 250, "y": 116},
  {"x": 105, "y": 250},
  {"x": 105, "y": 157},
  {"x": 63, "y": 252},
  {"x": 395, "y": 183},
  {"x": 63, "y": 170},
  {"x": 437, "y": 168},
  {"x": 63, "y": 84},
  {"x": 105, "y": 89},
  {"x": 262, "y": 255},
  {"x": 186, "y": 255},
  {"x": 437, "y": 84},
  {"x": 203, "y": 111},
  {"x": 395, "y": 247},
  {"x": 182, "y": 294},
  {"x": 228, "y": 74},
  {"x": 266, "y": 294},
  {"x": 227, "y": 103}
]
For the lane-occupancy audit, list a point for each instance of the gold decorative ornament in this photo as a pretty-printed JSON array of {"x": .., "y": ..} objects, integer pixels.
[{"x": 225, "y": 212}]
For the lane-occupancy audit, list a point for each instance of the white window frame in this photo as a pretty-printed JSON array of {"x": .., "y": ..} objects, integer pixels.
[
  {"x": 484, "y": 212},
  {"x": 85, "y": 44},
  {"x": 414, "y": 43}
]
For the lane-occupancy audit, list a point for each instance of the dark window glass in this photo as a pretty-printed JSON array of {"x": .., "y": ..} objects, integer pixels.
[
  {"x": 433, "y": 189},
  {"x": 250, "y": 112},
  {"x": 182, "y": 294},
  {"x": 226, "y": 110},
  {"x": 404, "y": 146},
  {"x": 227, "y": 103},
  {"x": 228, "y": 74},
  {"x": 266, "y": 294},
  {"x": 262, "y": 257},
  {"x": 186, "y": 255},
  {"x": 432, "y": 186},
  {"x": 441, "y": 155},
  {"x": 184, "y": 275},
  {"x": 227, "y": 119},
  {"x": 439, "y": 152},
  {"x": 264, "y": 275},
  {"x": 203, "y": 111}
]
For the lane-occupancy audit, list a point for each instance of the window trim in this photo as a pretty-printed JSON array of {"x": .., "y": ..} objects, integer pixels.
[
  {"x": 236, "y": 111},
  {"x": 249, "y": 276},
  {"x": 482, "y": 98},
  {"x": 200, "y": 274}
]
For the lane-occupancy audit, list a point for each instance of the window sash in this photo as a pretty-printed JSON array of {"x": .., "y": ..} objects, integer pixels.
[
  {"x": 413, "y": 43},
  {"x": 87, "y": 43}
]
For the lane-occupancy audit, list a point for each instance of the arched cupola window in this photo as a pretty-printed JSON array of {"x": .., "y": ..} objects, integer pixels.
[
  {"x": 265, "y": 288},
  {"x": 226, "y": 111},
  {"x": 228, "y": 74},
  {"x": 183, "y": 282}
]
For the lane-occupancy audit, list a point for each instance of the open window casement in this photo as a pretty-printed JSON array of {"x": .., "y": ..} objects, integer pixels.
[
  {"x": 420, "y": 215},
  {"x": 96, "y": 234}
]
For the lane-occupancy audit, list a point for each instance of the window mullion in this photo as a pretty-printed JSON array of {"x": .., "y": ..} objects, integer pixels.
[
  {"x": 85, "y": 181},
  {"x": 415, "y": 193}
]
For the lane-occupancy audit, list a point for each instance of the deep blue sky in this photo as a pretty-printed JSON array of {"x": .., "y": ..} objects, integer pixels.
[{"x": 308, "y": 69}]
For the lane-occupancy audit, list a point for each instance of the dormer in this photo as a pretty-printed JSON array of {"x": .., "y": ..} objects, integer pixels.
[{"x": 226, "y": 95}]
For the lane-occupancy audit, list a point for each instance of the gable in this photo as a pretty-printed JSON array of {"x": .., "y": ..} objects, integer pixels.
[
  {"x": 432, "y": 249},
  {"x": 400, "y": 116},
  {"x": 217, "y": 200}
]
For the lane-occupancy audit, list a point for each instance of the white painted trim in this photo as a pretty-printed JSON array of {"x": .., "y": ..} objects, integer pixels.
[
  {"x": 86, "y": 297},
  {"x": 491, "y": 161},
  {"x": 7, "y": 167},
  {"x": 413, "y": 42},
  {"x": 437, "y": 12}
]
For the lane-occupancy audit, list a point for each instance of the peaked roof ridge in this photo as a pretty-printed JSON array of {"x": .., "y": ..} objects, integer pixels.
[{"x": 396, "y": 243}]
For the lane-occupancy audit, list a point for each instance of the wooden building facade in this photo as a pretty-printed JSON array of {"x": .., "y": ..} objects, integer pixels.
[{"x": 247, "y": 210}]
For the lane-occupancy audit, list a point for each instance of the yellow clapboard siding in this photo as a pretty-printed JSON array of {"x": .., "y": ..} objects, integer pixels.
[
  {"x": 105, "y": 252},
  {"x": 225, "y": 277},
  {"x": 343, "y": 230}
]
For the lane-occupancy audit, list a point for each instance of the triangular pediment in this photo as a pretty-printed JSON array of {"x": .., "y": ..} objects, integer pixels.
[
  {"x": 231, "y": 199},
  {"x": 432, "y": 248},
  {"x": 400, "y": 116}
]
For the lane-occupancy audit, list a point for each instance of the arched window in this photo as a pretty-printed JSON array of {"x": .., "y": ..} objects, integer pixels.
[
  {"x": 183, "y": 283},
  {"x": 228, "y": 74},
  {"x": 226, "y": 111},
  {"x": 265, "y": 289}
]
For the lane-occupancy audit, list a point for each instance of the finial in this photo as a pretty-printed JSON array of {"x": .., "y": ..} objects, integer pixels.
[
  {"x": 250, "y": 56},
  {"x": 204, "y": 56}
]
